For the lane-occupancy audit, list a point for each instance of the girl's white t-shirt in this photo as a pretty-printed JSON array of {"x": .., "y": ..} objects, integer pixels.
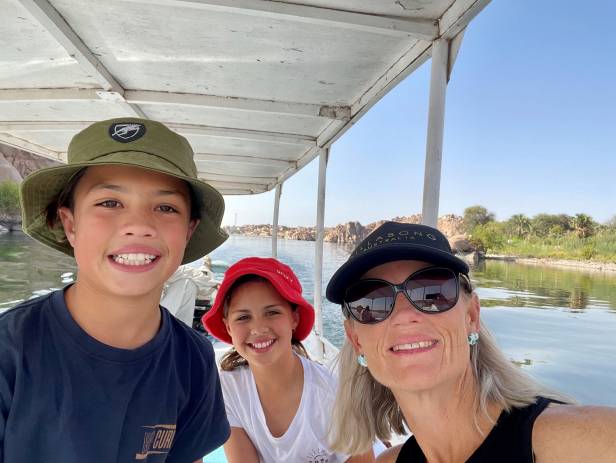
[{"x": 305, "y": 441}]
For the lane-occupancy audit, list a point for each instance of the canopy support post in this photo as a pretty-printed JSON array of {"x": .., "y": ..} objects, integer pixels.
[
  {"x": 436, "y": 124},
  {"x": 275, "y": 220},
  {"x": 319, "y": 238}
]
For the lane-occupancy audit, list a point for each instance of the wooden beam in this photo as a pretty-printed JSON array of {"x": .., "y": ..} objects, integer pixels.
[
  {"x": 238, "y": 191},
  {"x": 252, "y": 187},
  {"x": 19, "y": 95},
  {"x": 457, "y": 17},
  {"x": 246, "y": 160},
  {"x": 324, "y": 141},
  {"x": 31, "y": 147},
  {"x": 275, "y": 220},
  {"x": 184, "y": 129},
  {"x": 239, "y": 179},
  {"x": 42, "y": 126},
  {"x": 436, "y": 125},
  {"x": 411, "y": 59},
  {"x": 243, "y": 134},
  {"x": 64, "y": 34},
  {"x": 238, "y": 104},
  {"x": 417, "y": 28},
  {"x": 136, "y": 97}
]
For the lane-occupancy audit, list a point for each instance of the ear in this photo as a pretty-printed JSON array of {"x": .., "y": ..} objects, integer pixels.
[
  {"x": 352, "y": 336},
  {"x": 295, "y": 318},
  {"x": 224, "y": 320},
  {"x": 474, "y": 308},
  {"x": 68, "y": 223},
  {"x": 192, "y": 225}
]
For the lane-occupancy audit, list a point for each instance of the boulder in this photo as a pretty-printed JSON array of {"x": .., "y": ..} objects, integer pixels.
[
  {"x": 451, "y": 225},
  {"x": 7, "y": 171},
  {"x": 461, "y": 244},
  {"x": 350, "y": 232},
  {"x": 303, "y": 234},
  {"x": 25, "y": 163}
]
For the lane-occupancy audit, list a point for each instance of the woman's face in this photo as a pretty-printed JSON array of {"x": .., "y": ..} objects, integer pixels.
[
  {"x": 260, "y": 322},
  {"x": 412, "y": 350}
]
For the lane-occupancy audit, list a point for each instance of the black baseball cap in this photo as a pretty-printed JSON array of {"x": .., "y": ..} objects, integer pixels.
[{"x": 390, "y": 242}]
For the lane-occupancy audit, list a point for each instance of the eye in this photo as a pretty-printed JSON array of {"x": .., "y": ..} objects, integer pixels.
[
  {"x": 167, "y": 208},
  {"x": 273, "y": 312},
  {"x": 109, "y": 203},
  {"x": 241, "y": 318}
]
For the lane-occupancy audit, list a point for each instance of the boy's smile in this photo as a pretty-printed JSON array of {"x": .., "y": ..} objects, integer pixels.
[
  {"x": 134, "y": 258},
  {"x": 128, "y": 228}
]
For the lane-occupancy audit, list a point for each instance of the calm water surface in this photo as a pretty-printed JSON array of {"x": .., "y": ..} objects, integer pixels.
[{"x": 558, "y": 325}]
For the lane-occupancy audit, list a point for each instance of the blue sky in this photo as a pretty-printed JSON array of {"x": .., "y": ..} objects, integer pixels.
[{"x": 530, "y": 127}]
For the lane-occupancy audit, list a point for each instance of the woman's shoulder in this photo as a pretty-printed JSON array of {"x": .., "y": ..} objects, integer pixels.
[
  {"x": 390, "y": 455},
  {"x": 570, "y": 433}
]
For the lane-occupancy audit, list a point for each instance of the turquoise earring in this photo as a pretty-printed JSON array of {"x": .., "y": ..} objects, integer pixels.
[
  {"x": 473, "y": 338},
  {"x": 361, "y": 359}
]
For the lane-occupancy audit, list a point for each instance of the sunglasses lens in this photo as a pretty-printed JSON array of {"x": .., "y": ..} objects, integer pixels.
[
  {"x": 433, "y": 290},
  {"x": 370, "y": 301}
]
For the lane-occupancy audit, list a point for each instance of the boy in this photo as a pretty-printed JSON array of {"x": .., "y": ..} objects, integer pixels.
[{"x": 98, "y": 372}]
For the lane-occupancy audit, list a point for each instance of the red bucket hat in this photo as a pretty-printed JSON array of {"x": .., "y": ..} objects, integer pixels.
[{"x": 282, "y": 279}]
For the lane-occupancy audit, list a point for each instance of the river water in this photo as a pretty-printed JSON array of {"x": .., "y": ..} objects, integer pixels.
[{"x": 558, "y": 325}]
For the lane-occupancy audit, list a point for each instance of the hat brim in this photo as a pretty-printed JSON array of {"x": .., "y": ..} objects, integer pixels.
[
  {"x": 41, "y": 187},
  {"x": 213, "y": 320},
  {"x": 354, "y": 268}
]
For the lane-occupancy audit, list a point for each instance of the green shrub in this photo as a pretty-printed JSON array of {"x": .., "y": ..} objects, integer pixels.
[
  {"x": 489, "y": 236},
  {"x": 589, "y": 251},
  {"x": 9, "y": 198},
  {"x": 542, "y": 224},
  {"x": 476, "y": 215}
]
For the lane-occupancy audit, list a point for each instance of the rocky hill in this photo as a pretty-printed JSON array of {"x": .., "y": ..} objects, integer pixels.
[
  {"x": 352, "y": 233},
  {"x": 16, "y": 164},
  {"x": 19, "y": 162}
]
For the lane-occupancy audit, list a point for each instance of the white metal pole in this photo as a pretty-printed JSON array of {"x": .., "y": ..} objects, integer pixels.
[
  {"x": 436, "y": 124},
  {"x": 275, "y": 220},
  {"x": 318, "y": 258}
]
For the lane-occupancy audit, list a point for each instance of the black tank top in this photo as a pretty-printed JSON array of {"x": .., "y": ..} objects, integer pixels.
[{"x": 510, "y": 441}]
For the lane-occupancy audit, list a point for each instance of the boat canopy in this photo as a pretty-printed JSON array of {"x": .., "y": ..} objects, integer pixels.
[{"x": 260, "y": 88}]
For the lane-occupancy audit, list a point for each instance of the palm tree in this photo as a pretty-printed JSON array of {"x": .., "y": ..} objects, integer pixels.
[{"x": 520, "y": 225}]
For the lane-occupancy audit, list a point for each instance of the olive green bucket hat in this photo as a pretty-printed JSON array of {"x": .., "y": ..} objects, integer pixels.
[{"x": 126, "y": 142}]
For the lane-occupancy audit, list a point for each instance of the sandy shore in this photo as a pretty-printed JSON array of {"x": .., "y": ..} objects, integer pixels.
[{"x": 562, "y": 263}]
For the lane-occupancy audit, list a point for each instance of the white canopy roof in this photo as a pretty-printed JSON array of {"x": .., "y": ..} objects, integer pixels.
[{"x": 259, "y": 87}]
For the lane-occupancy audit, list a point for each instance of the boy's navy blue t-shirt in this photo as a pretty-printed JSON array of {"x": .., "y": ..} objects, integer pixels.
[{"x": 65, "y": 397}]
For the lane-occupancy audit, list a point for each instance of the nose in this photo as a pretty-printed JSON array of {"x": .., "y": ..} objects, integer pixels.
[
  {"x": 140, "y": 223},
  {"x": 259, "y": 326},
  {"x": 404, "y": 312}
]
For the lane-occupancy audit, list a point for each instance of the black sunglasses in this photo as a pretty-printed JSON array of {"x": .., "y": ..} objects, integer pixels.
[{"x": 430, "y": 290}]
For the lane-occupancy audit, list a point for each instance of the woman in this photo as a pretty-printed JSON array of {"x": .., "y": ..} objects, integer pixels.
[
  {"x": 420, "y": 357},
  {"x": 278, "y": 402}
]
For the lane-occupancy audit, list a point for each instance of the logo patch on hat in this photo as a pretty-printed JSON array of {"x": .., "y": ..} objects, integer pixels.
[{"x": 125, "y": 132}]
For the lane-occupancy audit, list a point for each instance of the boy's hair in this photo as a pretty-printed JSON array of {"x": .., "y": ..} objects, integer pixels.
[
  {"x": 232, "y": 359},
  {"x": 66, "y": 198}
]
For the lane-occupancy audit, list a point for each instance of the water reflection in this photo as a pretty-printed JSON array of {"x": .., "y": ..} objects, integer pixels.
[
  {"x": 28, "y": 269},
  {"x": 518, "y": 285}
]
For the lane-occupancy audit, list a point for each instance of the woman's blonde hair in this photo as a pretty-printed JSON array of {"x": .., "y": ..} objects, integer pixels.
[
  {"x": 232, "y": 359},
  {"x": 365, "y": 410}
]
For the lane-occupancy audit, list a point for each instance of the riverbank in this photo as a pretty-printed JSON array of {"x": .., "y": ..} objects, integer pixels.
[{"x": 593, "y": 266}]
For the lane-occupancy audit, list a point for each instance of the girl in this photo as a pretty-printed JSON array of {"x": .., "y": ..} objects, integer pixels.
[{"x": 278, "y": 402}]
